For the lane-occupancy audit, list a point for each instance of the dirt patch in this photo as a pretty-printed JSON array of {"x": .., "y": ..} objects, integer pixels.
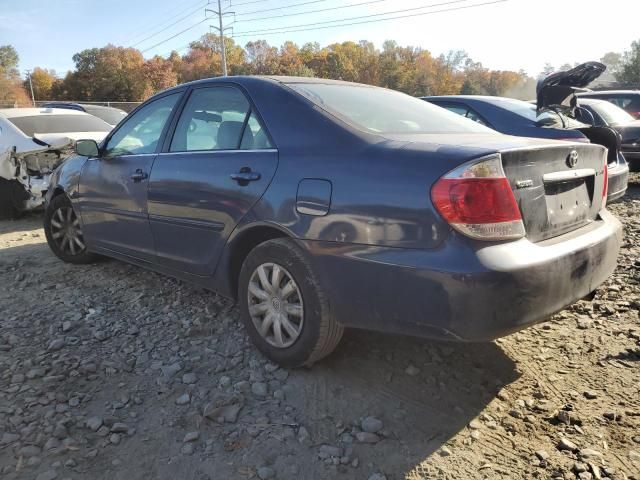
[{"x": 113, "y": 372}]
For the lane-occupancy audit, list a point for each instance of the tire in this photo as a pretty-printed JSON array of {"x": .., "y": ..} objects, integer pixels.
[
  {"x": 66, "y": 242},
  {"x": 318, "y": 332},
  {"x": 11, "y": 194}
]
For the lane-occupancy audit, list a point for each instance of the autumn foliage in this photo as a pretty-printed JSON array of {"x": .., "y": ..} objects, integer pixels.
[{"x": 115, "y": 73}]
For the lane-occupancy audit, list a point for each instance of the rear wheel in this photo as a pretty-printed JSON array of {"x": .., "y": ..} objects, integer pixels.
[
  {"x": 64, "y": 232},
  {"x": 284, "y": 307}
]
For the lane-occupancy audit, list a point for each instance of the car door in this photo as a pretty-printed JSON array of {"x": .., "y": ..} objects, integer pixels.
[
  {"x": 113, "y": 186},
  {"x": 217, "y": 164}
]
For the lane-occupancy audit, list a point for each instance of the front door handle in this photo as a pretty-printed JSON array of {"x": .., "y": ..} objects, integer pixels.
[
  {"x": 138, "y": 175},
  {"x": 245, "y": 175}
]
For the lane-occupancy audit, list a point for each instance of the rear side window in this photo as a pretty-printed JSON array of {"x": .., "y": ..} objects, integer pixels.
[
  {"x": 254, "y": 136},
  {"x": 218, "y": 118},
  {"x": 59, "y": 124}
]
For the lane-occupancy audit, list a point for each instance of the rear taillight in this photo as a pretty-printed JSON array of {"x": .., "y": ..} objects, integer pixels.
[
  {"x": 605, "y": 187},
  {"x": 477, "y": 200}
]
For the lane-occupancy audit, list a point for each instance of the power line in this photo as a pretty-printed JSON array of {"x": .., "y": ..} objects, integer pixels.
[
  {"x": 314, "y": 26},
  {"x": 176, "y": 35},
  {"x": 245, "y": 3},
  {"x": 152, "y": 25},
  {"x": 359, "y": 17},
  {"x": 314, "y": 11},
  {"x": 280, "y": 8},
  {"x": 171, "y": 25}
]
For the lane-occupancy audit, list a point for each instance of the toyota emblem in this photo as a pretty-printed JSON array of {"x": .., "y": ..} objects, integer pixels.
[{"x": 572, "y": 159}]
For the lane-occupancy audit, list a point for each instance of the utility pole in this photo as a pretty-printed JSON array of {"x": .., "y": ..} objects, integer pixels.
[
  {"x": 221, "y": 29},
  {"x": 33, "y": 98}
]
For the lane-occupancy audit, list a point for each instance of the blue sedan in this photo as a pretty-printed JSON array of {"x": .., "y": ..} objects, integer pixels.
[{"x": 319, "y": 205}]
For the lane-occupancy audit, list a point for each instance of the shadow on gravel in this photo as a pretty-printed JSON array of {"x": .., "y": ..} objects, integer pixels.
[
  {"x": 27, "y": 222},
  {"x": 425, "y": 392}
]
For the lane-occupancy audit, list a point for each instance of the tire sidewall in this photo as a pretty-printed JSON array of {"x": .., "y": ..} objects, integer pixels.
[
  {"x": 58, "y": 202},
  {"x": 292, "y": 259}
]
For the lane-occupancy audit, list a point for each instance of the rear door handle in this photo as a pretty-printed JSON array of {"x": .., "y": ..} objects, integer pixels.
[
  {"x": 138, "y": 176},
  {"x": 245, "y": 176}
]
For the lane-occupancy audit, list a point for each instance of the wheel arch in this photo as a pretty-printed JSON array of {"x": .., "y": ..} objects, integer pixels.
[{"x": 240, "y": 246}]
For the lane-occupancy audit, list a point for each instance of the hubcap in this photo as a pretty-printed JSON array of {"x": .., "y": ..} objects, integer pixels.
[
  {"x": 66, "y": 231},
  {"x": 275, "y": 305}
]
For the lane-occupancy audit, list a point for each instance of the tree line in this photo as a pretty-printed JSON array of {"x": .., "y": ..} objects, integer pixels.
[{"x": 114, "y": 73}]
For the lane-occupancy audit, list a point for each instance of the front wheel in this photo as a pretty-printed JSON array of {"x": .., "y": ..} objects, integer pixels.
[
  {"x": 64, "y": 233},
  {"x": 284, "y": 307}
]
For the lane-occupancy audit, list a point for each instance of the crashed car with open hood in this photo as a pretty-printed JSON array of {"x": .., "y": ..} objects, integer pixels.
[
  {"x": 558, "y": 92},
  {"x": 33, "y": 142}
]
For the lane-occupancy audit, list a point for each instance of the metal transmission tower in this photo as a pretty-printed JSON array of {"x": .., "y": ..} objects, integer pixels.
[
  {"x": 221, "y": 29},
  {"x": 33, "y": 98}
]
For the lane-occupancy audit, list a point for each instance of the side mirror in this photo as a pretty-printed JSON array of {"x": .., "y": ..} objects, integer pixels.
[{"x": 87, "y": 148}]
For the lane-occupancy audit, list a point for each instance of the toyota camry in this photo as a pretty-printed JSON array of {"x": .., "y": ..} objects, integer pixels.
[{"x": 319, "y": 205}]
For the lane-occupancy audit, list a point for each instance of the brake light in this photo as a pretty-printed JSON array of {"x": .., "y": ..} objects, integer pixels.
[
  {"x": 477, "y": 200},
  {"x": 605, "y": 187}
]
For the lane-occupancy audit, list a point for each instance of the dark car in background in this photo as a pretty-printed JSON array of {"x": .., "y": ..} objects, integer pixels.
[
  {"x": 604, "y": 113},
  {"x": 628, "y": 100},
  {"x": 516, "y": 117},
  {"x": 110, "y": 115},
  {"x": 254, "y": 187}
]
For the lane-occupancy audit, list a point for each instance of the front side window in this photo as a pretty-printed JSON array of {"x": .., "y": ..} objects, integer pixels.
[
  {"x": 378, "y": 110},
  {"x": 141, "y": 132},
  {"x": 214, "y": 118}
]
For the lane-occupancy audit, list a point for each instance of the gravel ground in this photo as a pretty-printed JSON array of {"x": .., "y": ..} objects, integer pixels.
[{"x": 108, "y": 371}]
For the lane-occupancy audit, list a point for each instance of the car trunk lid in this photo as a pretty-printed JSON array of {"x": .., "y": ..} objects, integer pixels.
[
  {"x": 558, "y": 187},
  {"x": 557, "y": 91}
]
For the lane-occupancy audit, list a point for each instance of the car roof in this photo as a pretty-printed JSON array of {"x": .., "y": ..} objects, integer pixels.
[
  {"x": 609, "y": 92},
  {"x": 478, "y": 98},
  {"x": 247, "y": 80},
  {"x": 592, "y": 101},
  {"x": 30, "y": 112}
]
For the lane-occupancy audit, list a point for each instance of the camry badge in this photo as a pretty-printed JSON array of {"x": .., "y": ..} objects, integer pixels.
[
  {"x": 572, "y": 159},
  {"x": 524, "y": 183}
]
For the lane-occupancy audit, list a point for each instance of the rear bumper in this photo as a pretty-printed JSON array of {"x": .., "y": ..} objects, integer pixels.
[
  {"x": 465, "y": 290},
  {"x": 618, "y": 180},
  {"x": 632, "y": 156}
]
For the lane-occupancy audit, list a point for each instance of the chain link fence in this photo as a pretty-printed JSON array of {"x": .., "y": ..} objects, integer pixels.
[{"x": 126, "y": 106}]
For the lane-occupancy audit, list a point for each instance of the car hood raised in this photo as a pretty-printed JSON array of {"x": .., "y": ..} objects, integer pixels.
[{"x": 558, "y": 89}]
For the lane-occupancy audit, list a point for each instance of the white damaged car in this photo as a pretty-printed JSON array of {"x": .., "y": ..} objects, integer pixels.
[{"x": 34, "y": 141}]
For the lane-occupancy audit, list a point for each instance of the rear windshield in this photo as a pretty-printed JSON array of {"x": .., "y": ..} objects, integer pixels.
[
  {"x": 59, "y": 124},
  {"x": 611, "y": 113},
  {"x": 110, "y": 115},
  {"x": 378, "y": 110}
]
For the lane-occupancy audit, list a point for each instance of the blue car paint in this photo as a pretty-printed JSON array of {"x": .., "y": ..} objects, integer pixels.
[
  {"x": 412, "y": 274},
  {"x": 497, "y": 115}
]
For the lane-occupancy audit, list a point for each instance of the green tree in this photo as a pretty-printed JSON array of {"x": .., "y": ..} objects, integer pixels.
[
  {"x": 613, "y": 62},
  {"x": 12, "y": 92},
  {"x": 8, "y": 60},
  {"x": 630, "y": 67}
]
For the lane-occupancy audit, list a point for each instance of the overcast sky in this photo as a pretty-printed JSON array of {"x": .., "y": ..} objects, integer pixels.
[{"x": 509, "y": 35}]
